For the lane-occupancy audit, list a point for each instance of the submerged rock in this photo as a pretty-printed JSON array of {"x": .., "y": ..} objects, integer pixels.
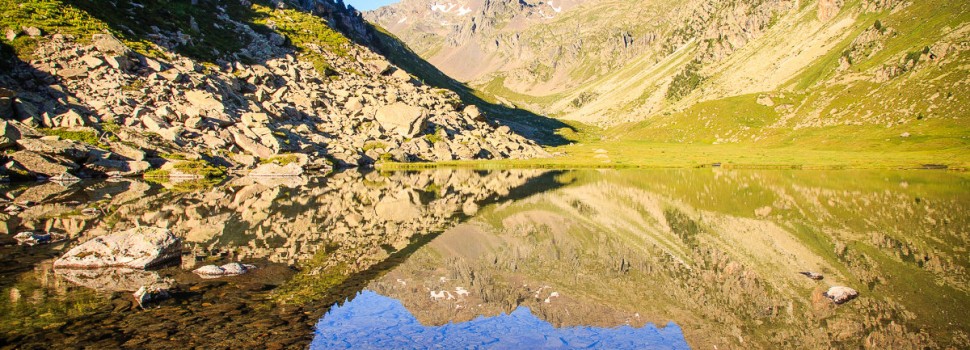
[
  {"x": 230, "y": 269},
  {"x": 138, "y": 248},
  {"x": 148, "y": 294},
  {"x": 840, "y": 294},
  {"x": 35, "y": 238}
]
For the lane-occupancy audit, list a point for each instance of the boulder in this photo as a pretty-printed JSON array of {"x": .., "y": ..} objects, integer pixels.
[
  {"x": 154, "y": 123},
  {"x": 255, "y": 119},
  {"x": 249, "y": 145},
  {"x": 203, "y": 100},
  {"x": 73, "y": 73},
  {"x": 230, "y": 269},
  {"x": 8, "y": 134},
  {"x": 7, "y": 97},
  {"x": 118, "y": 62},
  {"x": 92, "y": 61},
  {"x": 115, "y": 168},
  {"x": 380, "y": 66},
  {"x": 33, "y": 31},
  {"x": 273, "y": 169},
  {"x": 72, "y": 119},
  {"x": 108, "y": 44},
  {"x": 137, "y": 248},
  {"x": 69, "y": 149},
  {"x": 473, "y": 112},
  {"x": 840, "y": 294},
  {"x": 405, "y": 120},
  {"x": 401, "y": 75},
  {"x": 127, "y": 151},
  {"x": 46, "y": 165}
]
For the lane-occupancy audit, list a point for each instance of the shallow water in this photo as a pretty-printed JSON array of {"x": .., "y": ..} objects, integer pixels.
[{"x": 506, "y": 259}]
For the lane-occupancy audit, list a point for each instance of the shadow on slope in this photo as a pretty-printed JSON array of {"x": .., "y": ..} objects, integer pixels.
[{"x": 541, "y": 129}]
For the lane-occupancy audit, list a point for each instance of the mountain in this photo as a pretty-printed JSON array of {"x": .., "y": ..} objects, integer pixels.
[
  {"x": 828, "y": 74},
  {"x": 192, "y": 89}
]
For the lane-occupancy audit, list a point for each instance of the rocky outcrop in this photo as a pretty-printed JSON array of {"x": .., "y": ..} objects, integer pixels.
[
  {"x": 828, "y": 9},
  {"x": 137, "y": 248},
  {"x": 273, "y": 102}
]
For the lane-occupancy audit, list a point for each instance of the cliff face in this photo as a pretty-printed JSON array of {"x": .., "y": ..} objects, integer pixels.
[
  {"x": 232, "y": 84},
  {"x": 680, "y": 70}
]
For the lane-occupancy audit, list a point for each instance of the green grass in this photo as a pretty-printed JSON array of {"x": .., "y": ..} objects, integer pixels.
[
  {"x": 86, "y": 136},
  {"x": 283, "y": 159},
  {"x": 305, "y": 31},
  {"x": 200, "y": 168}
]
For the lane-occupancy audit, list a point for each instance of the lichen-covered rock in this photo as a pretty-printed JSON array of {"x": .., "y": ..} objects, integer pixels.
[{"x": 138, "y": 248}]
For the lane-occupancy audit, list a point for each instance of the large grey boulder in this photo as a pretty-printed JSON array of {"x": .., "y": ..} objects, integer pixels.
[
  {"x": 39, "y": 164},
  {"x": 108, "y": 44},
  {"x": 138, "y": 248},
  {"x": 407, "y": 121}
]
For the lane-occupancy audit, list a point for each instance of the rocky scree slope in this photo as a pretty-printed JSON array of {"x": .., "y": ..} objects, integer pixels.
[
  {"x": 827, "y": 73},
  {"x": 117, "y": 102}
]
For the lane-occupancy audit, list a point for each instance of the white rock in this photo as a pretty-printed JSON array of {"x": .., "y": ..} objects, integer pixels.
[{"x": 138, "y": 248}]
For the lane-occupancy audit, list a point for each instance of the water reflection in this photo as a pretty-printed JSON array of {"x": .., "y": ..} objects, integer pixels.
[
  {"x": 373, "y": 321},
  {"x": 717, "y": 252}
]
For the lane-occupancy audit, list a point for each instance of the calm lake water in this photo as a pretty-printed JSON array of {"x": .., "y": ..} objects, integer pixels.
[{"x": 612, "y": 259}]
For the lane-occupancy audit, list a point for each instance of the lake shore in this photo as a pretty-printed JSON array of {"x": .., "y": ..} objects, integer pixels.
[{"x": 665, "y": 155}]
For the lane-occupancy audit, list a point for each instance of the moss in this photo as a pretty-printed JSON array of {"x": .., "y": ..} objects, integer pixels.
[
  {"x": 85, "y": 136},
  {"x": 156, "y": 174},
  {"x": 200, "y": 168},
  {"x": 374, "y": 145},
  {"x": 173, "y": 156}
]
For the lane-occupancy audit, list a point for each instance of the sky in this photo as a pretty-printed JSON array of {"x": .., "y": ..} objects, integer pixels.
[{"x": 366, "y": 5}]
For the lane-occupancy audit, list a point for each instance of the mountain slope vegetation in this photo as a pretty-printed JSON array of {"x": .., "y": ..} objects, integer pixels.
[{"x": 882, "y": 76}]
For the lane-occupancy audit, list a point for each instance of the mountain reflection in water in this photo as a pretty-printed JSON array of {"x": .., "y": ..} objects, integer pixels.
[
  {"x": 715, "y": 252},
  {"x": 373, "y": 321}
]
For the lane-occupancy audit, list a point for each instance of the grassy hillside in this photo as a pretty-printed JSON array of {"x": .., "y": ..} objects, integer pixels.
[{"x": 869, "y": 87}]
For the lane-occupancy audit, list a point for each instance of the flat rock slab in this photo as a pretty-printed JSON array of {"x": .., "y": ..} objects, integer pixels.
[
  {"x": 276, "y": 170},
  {"x": 138, "y": 248}
]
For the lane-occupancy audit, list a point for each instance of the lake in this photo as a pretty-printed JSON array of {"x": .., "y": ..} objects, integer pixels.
[{"x": 615, "y": 259}]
